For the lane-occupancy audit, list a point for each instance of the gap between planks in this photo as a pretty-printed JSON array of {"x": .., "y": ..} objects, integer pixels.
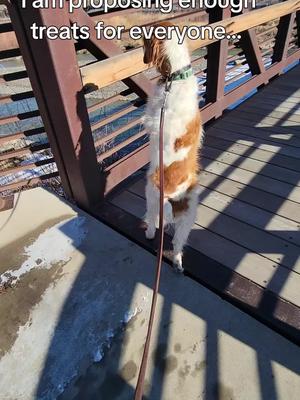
[
  {"x": 251, "y": 265},
  {"x": 252, "y": 153},
  {"x": 256, "y": 142},
  {"x": 259, "y": 167}
]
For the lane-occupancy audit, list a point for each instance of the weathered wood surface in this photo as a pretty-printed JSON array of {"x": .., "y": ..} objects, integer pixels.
[
  {"x": 249, "y": 208},
  {"x": 125, "y": 65}
]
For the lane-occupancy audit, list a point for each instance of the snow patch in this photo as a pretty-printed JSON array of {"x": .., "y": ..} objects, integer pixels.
[
  {"x": 98, "y": 355},
  {"x": 130, "y": 314},
  {"x": 53, "y": 246},
  {"x": 111, "y": 333}
]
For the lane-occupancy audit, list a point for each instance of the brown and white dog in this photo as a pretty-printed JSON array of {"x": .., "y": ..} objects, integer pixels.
[{"x": 182, "y": 139}]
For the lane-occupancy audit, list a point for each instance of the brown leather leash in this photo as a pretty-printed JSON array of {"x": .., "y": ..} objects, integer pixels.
[{"x": 138, "y": 395}]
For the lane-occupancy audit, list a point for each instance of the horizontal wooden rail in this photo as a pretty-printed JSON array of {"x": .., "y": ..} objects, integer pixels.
[
  {"x": 234, "y": 78},
  {"x": 19, "y": 117},
  {"x": 235, "y": 57},
  {"x": 30, "y": 165},
  {"x": 122, "y": 66},
  {"x": 119, "y": 171},
  {"x": 113, "y": 117},
  {"x": 117, "y": 132},
  {"x": 116, "y": 66},
  {"x": 21, "y": 134},
  {"x": 99, "y": 15},
  {"x": 106, "y": 102},
  {"x": 23, "y": 151},
  {"x": 121, "y": 145},
  {"x": 267, "y": 52},
  {"x": 27, "y": 182},
  {"x": 8, "y": 41}
]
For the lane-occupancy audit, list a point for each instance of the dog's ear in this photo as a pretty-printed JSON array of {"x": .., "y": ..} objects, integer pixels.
[{"x": 154, "y": 54}]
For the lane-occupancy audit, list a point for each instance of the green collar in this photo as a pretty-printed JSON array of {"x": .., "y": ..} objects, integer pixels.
[{"x": 181, "y": 74}]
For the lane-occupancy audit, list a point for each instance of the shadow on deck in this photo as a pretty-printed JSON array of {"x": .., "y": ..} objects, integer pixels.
[
  {"x": 244, "y": 246},
  {"x": 245, "y": 243}
]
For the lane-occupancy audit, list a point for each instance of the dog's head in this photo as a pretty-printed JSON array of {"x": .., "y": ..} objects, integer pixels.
[{"x": 155, "y": 54}]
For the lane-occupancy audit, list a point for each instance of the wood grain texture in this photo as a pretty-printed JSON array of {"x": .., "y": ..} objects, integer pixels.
[
  {"x": 248, "y": 217},
  {"x": 122, "y": 66},
  {"x": 264, "y": 305}
]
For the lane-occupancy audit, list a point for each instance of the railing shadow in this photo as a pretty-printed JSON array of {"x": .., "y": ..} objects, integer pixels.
[
  {"x": 102, "y": 290},
  {"x": 99, "y": 282},
  {"x": 287, "y": 134}
]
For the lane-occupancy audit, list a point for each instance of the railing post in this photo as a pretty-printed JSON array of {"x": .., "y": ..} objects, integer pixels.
[
  {"x": 216, "y": 61},
  {"x": 250, "y": 47},
  {"x": 283, "y": 36},
  {"x": 103, "y": 48},
  {"x": 298, "y": 27},
  {"x": 248, "y": 43},
  {"x": 55, "y": 77}
]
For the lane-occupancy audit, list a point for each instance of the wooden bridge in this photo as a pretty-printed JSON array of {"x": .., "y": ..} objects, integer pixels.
[
  {"x": 245, "y": 243},
  {"x": 84, "y": 135}
]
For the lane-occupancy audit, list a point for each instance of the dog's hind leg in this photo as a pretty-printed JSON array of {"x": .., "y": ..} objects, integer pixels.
[
  {"x": 152, "y": 200},
  {"x": 184, "y": 221}
]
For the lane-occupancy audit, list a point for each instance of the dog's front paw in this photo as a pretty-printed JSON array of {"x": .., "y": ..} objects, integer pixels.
[
  {"x": 150, "y": 232},
  {"x": 177, "y": 262}
]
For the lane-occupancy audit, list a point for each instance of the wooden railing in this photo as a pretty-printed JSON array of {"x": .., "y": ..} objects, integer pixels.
[
  {"x": 93, "y": 144},
  {"x": 125, "y": 65}
]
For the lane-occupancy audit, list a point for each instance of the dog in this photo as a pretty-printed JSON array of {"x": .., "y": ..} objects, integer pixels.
[{"x": 182, "y": 140}]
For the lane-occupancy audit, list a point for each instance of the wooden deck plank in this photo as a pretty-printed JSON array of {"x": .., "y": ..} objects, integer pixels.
[
  {"x": 252, "y": 153},
  {"x": 256, "y": 197},
  {"x": 263, "y": 112},
  {"x": 254, "y": 216},
  {"x": 283, "y": 90},
  {"x": 248, "y": 218},
  {"x": 271, "y": 125},
  {"x": 275, "y": 206},
  {"x": 264, "y": 305},
  {"x": 261, "y": 107},
  {"x": 292, "y": 73},
  {"x": 251, "y": 265},
  {"x": 285, "y": 190},
  {"x": 290, "y": 83},
  {"x": 269, "y": 97},
  {"x": 259, "y": 167},
  {"x": 287, "y": 86},
  {"x": 269, "y": 104},
  {"x": 285, "y": 136},
  {"x": 257, "y": 142},
  {"x": 231, "y": 206},
  {"x": 255, "y": 240},
  {"x": 211, "y": 216},
  {"x": 261, "y": 200},
  {"x": 274, "y": 113}
]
